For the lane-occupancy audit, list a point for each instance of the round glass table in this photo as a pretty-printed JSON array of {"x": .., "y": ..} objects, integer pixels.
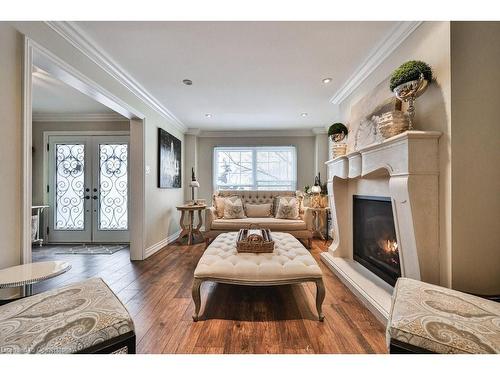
[{"x": 25, "y": 275}]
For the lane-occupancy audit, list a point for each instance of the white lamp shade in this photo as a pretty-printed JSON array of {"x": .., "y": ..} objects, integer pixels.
[
  {"x": 316, "y": 189},
  {"x": 194, "y": 184}
]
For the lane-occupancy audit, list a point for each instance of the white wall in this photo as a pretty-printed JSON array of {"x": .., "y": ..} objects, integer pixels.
[{"x": 161, "y": 217}]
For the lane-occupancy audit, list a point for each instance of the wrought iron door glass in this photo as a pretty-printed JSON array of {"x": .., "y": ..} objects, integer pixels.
[
  {"x": 70, "y": 168},
  {"x": 113, "y": 187}
]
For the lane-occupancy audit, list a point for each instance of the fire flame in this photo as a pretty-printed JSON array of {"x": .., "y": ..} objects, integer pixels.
[{"x": 388, "y": 246}]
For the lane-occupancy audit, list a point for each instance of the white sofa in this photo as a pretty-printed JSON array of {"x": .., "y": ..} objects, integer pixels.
[{"x": 301, "y": 228}]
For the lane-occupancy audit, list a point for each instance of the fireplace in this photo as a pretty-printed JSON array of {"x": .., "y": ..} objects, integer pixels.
[{"x": 374, "y": 237}]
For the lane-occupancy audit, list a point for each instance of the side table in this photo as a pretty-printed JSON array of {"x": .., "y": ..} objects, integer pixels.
[
  {"x": 188, "y": 228},
  {"x": 320, "y": 221}
]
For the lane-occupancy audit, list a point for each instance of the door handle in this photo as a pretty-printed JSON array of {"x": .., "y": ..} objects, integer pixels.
[
  {"x": 87, "y": 190},
  {"x": 94, "y": 197},
  {"x": 87, "y": 197}
]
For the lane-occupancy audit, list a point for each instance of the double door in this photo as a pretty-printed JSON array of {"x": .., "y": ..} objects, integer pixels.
[{"x": 88, "y": 189}]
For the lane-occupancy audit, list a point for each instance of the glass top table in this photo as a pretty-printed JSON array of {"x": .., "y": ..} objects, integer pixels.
[{"x": 25, "y": 275}]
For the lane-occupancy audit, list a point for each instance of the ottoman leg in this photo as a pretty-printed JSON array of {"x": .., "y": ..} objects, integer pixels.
[
  {"x": 320, "y": 297},
  {"x": 196, "y": 298}
]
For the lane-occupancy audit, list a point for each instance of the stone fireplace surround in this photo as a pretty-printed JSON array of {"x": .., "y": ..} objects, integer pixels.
[{"x": 406, "y": 169}]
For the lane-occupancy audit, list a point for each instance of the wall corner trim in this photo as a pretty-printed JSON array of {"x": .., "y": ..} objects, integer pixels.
[
  {"x": 161, "y": 244},
  {"x": 77, "y": 38},
  {"x": 382, "y": 50},
  {"x": 78, "y": 117}
]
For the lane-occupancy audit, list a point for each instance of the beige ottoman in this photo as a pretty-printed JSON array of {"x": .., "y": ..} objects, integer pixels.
[
  {"x": 84, "y": 317},
  {"x": 290, "y": 263},
  {"x": 426, "y": 318}
]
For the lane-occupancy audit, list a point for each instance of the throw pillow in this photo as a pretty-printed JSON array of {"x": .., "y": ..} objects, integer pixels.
[
  {"x": 219, "y": 204},
  {"x": 288, "y": 209},
  {"x": 276, "y": 202},
  {"x": 258, "y": 210},
  {"x": 233, "y": 209}
]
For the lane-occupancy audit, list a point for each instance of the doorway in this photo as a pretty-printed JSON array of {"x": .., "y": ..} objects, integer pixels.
[
  {"x": 88, "y": 189},
  {"x": 37, "y": 58}
]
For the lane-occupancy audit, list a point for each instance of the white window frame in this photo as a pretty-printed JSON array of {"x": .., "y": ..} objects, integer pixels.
[{"x": 254, "y": 150}]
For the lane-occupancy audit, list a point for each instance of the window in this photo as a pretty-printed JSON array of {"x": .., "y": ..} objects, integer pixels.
[{"x": 255, "y": 168}]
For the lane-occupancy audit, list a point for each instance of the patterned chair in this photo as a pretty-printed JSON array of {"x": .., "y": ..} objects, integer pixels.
[
  {"x": 84, "y": 317},
  {"x": 426, "y": 318}
]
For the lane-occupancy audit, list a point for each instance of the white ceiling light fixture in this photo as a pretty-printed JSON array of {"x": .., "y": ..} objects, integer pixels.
[
  {"x": 327, "y": 80},
  {"x": 187, "y": 82},
  {"x": 208, "y": 115},
  {"x": 304, "y": 114}
]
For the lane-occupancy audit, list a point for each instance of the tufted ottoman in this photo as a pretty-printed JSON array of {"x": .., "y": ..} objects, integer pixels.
[
  {"x": 426, "y": 318},
  {"x": 84, "y": 317},
  {"x": 290, "y": 263}
]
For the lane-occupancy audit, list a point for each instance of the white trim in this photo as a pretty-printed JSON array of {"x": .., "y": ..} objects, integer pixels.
[
  {"x": 26, "y": 153},
  {"x": 381, "y": 51},
  {"x": 78, "y": 117},
  {"x": 78, "y": 39},
  {"x": 161, "y": 244}
]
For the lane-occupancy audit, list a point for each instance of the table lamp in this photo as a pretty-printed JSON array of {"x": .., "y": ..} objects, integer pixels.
[
  {"x": 316, "y": 190},
  {"x": 193, "y": 184}
]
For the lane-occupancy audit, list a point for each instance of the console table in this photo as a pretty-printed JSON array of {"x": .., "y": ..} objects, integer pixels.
[{"x": 188, "y": 228}]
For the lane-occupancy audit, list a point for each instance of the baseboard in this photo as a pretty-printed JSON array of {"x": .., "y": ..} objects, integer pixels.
[{"x": 160, "y": 245}]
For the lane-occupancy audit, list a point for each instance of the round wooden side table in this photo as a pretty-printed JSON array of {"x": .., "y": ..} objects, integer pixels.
[{"x": 188, "y": 228}]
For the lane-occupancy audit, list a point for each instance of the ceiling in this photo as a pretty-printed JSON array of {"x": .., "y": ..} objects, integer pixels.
[
  {"x": 51, "y": 96},
  {"x": 247, "y": 75}
]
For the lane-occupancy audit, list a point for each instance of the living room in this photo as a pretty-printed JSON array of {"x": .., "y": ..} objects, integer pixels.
[{"x": 292, "y": 186}]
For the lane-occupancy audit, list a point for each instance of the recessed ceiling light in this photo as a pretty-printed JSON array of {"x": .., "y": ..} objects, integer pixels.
[
  {"x": 208, "y": 115},
  {"x": 187, "y": 82},
  {"x": 327, "y": 80},
  {"x": 303, "y": 114}
]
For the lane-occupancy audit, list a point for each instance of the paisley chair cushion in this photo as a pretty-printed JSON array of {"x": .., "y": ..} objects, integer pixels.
[
  {"x": 65, "y": 320},
  {"x": 442, "y": 320}
]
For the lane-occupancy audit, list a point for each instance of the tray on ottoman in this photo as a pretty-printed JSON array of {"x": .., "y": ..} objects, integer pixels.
[{"x": 289, "y": 263}]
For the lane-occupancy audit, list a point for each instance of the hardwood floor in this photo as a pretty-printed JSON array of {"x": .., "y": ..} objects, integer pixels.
[{"x": 235, "y": 319}]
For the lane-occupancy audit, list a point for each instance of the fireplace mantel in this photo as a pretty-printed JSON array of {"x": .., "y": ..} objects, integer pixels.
[{"x": 410, "y": 163}]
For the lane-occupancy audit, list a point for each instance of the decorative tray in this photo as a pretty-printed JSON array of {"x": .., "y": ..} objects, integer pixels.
[{"x": 254, "y": 241}]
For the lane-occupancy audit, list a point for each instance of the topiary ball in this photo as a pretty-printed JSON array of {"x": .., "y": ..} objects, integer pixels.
[
  {"x": 337, "y": 128},
  {"x": 410, "y": 71}
]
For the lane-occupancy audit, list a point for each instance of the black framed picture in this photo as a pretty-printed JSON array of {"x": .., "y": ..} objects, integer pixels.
[{"x": 169, "y": 160}]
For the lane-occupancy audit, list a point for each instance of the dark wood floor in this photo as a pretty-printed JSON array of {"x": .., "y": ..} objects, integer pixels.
[{"x": 236, "y": 319}]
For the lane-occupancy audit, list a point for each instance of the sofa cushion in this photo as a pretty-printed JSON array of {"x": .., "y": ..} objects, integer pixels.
[
  {"x": 261, "y": 222},
  {"x": 288, "y": 208},
  {"x": 289, "y": 261},
  {"x": 218, "y": 203},
  {"x": 64, "y": 320},
  {"x": 233, "y": 209},
  {"x": 258, "y": 210},
  {"x": 442, "y": 320}
]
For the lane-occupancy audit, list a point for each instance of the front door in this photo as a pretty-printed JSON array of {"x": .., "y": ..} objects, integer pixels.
[{"x": 88, "y": 189}]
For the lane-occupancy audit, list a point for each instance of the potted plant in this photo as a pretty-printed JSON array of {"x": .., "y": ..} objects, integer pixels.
[
  {"x": 409, "y": 81},
  {"x": 337, "y": 133}
]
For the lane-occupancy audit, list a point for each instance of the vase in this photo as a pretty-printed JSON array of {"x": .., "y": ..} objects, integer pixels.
[
  {"x": 338, "y": 149},
  {"x": 408, "y": 92}
]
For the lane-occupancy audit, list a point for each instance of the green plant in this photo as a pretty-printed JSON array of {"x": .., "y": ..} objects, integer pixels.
[
  {"x": 337, "y": 131},
  {"x": 410, "y": 71}
]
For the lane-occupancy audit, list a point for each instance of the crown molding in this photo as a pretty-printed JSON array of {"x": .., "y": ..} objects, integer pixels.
[
  {"x": 318, "y": 131},
  {"x": 255, "y": 133},
  {"x": 78, "y": 117},
  {"x": 78, "y": 39},
  {"x": 381, "y": 51}
]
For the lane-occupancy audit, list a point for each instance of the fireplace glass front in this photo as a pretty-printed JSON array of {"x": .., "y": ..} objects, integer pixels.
[{"x": 375, "y": 243}]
